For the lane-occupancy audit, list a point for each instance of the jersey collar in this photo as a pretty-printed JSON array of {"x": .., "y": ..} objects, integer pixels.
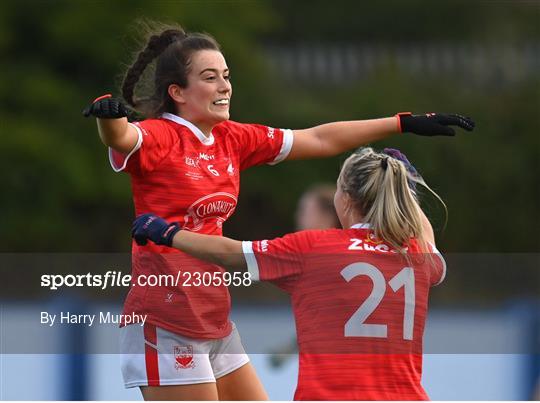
[
  {"x": 207, "y": 141},
  {"x": 361, "y": 225}
]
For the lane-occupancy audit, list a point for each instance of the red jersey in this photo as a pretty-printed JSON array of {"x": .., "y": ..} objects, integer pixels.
[
  {"x": 359, "y": 307},
  {"x": 181, "y": 175}
]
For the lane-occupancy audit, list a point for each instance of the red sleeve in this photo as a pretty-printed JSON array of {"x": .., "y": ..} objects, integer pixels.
[
  {"x": 438, "y": 268},
  {"x": 280, "y": 260},
  {"x": 156, "y": 139},
  {"x": 259, "y": 144}
]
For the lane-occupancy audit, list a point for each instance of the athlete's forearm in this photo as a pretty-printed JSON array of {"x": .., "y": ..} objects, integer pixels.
[
  {"x": 342, "y": 136},
  {"x": 111, "y": 130},
  {"x": 219, "y": 250},
  {"x": 117, "y": 134},
  {"x": 334, "y": 138}
]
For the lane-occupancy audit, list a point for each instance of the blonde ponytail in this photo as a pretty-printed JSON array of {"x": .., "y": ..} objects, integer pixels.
[{"x": 378, "y": 185}]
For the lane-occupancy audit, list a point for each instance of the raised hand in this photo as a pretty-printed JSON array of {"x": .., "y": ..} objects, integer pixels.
[{"x": 106, "y": 107}]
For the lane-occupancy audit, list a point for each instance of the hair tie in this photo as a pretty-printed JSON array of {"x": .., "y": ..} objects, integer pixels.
[
  {"x": 179, "y": 37},
  {"x": 395, "y": 153},
  {"x": 384, "y": 163}
]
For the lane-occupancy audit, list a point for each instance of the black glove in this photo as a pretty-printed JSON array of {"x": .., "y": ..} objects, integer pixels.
[
  {"x": 106, "y": 107},
  {"x": 433, "y": 124},
  {"x": 155, "y": 228}
]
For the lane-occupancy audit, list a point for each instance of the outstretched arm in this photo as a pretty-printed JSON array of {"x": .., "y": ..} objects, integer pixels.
[
  {"x": 334, "y": 138},
  {"x": 222, "y": 251}
]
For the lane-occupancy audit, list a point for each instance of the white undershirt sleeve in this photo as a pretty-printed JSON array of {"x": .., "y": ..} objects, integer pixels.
[
  {"x": 286, "y": 146},
  {"x": 443, "y": 262},
  {"x": 251, "y": 261}
]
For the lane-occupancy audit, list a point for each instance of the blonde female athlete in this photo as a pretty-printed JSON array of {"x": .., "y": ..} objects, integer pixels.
[
  {"x": 184, "y": 161},
  {"x": 359, "y": 294}
]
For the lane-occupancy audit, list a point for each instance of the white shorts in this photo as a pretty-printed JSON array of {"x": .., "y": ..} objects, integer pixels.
[{"x": 152, "y": 356}]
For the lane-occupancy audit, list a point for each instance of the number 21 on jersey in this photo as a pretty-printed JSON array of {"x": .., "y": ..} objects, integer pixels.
[{"x": 355, "y": 326}]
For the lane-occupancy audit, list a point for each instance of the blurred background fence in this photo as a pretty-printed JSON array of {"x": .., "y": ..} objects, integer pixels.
[{"x": 342, "y": 64}]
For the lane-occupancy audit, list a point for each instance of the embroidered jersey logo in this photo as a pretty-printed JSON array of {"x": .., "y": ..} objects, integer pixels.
[
  {"x": 192, "y": 162},
  {"x": 183, "y": 357},
  {"x": 270, "y": 133},
  {"x": 216, "y": 206},
  {"x": 206, "y": 157},
  {"x": 169, "y": 297},
  {"x": 264, "y": 246}
]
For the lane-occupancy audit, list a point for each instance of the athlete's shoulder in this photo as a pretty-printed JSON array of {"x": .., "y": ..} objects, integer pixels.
[
  {"x": 332, "y": 233},
  {"x": 298, "y": 241},
  {"x": 158, "y": 125},
  {"x": 233, "y": 127},
  {"x": 415, "y": 246},
  {"x": 330, "y": 239},
  {"x": 317, "y": 237},
  {"x": 229, "y": 125},
  {"x": 154, "y": 122}
]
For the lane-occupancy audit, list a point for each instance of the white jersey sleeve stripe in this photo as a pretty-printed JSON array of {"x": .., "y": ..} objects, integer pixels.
[
  {"x": 286, "y": 146},
  {"x": 443, "y": 262},
  {"x": 118, "y": 168},
  {"x": 251, "y": 261}
]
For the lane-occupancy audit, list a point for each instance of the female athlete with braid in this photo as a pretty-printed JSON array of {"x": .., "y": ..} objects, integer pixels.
[{"x": 184, "y": 161}]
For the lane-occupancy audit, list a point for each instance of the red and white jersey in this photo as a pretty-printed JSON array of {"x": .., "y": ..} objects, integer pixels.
[
  {"x": 181, "y": 175},
  {"x": 359, "y": 307}
]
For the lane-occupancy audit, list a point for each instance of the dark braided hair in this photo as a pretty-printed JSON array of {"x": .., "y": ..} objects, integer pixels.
[{"x": 172, "y": 49}]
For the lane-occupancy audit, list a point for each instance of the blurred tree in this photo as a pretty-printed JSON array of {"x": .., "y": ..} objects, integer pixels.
[
  {"x": 61, "y": 193},
  {"x": 57, "y": 55}
]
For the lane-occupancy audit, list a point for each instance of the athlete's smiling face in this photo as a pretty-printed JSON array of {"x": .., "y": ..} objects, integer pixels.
[{"x": 206, "y": 99}]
